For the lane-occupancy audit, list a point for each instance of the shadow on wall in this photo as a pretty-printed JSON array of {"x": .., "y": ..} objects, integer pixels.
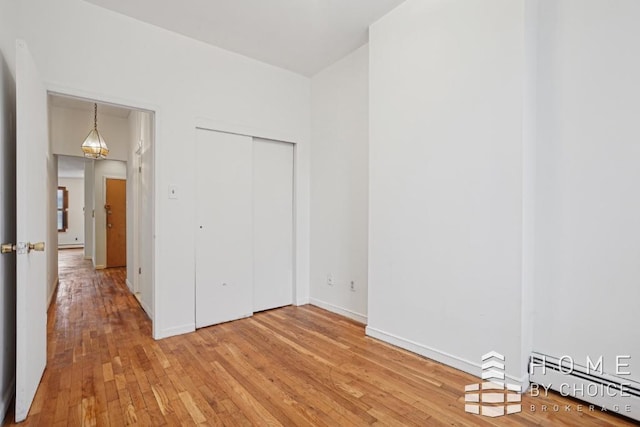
[{"x": 7, "y": 234}]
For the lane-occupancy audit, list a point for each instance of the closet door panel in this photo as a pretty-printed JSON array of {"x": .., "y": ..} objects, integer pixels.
[
  {"x": 273, "y": 224},
  {"x": 224, "y": 227}
]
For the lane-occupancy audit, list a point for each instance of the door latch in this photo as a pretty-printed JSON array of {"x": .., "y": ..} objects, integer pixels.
[{"x": 7, "y": 248}]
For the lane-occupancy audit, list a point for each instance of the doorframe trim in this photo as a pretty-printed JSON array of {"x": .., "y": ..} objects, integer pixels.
[{"x": 54, "y": 88}]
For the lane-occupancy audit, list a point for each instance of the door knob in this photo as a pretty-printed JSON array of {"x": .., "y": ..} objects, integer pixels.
[
  {"x": 22, "y": 248},
  {"x": 109, "y": 225},
  {"x": 7, "y": 248},
  {"x": 39, "y": 247}
]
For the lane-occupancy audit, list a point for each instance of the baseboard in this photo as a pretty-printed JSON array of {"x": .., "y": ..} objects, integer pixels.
[
  {"x": 100, "y": 267},
  {"x": 146, "y": 308},
  {"x": 177, "y": 330},
  {"x": 302, "y": 301},
  {"x": 56, "y": 282},
  {"x": 7, "y": 397},
  {"x": 339, "y": 310},
  {"x": 129, "y": 285},
  {"x": 456, "y": 362},
  {"x": 77, "y": 246},
  {"x": 88, "y": 257}
]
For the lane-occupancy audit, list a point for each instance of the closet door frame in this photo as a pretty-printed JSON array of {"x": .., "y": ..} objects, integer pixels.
[{"x": 300, "y": 296}]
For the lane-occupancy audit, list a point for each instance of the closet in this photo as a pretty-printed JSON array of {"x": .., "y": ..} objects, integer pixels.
[{"x": 244, "y": 226}]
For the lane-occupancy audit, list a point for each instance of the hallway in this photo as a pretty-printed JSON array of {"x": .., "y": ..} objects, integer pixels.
[{"x": 292, "y": 366}]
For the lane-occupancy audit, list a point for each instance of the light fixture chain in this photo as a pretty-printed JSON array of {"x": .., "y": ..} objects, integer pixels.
[{"x": 95, "y": 116}]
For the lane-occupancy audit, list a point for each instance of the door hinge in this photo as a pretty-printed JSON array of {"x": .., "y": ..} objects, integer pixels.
[{"x": 139, "y": 270}]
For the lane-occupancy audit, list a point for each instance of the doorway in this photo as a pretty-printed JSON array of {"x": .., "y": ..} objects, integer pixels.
[{"x": 118, "y": 190}]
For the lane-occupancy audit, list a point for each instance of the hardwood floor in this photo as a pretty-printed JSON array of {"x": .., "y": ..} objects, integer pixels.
[{"x": 293, "y": 366}]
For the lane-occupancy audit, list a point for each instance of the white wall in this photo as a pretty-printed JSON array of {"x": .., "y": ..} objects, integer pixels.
[
  {"x": 89, "y": 226},
  {"x": 7, "y": 207},
  {"x": 139, "y": 208},
  {"x": 74, "y": 236},
  {"x": 51, "y": 240},
  {"x": 445, "y": 239},
  {"x": 588, "y": 228},
  {"x": 103, "y": 169},
  {"x": 185, "y": 82},
  {"x": 339, "y": 185},
  {"x": 132, "y": 201},
  {"x": 70, "y": 126}
]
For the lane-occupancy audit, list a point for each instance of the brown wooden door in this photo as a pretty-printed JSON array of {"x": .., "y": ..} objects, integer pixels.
[{"x": 116, "y": 209}]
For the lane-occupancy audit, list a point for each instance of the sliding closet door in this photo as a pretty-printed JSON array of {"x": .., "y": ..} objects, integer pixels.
[
  {"x": 273, "y": 224},
  {"x": 224, "y": 238}
]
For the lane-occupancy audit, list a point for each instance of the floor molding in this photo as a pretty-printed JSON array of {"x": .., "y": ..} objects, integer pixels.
[
  {"x": 56, "y": 282},
  {"x": 339, "y": 310},
  {"x": 76, "y": 246},
  {"x": 302, "y": 301},
  {"x": 457, "y": 362},
  {"x": 145, "y": 307},
  {"x": 177, "y": 330}
]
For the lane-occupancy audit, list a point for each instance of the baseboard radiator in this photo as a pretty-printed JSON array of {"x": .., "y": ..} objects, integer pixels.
[{"x": 599, "y": 390}]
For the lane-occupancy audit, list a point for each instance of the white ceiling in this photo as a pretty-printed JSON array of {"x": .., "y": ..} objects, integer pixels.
[
  {"x": 80, "y": 104},
  {"x": 303, "y": 36}
]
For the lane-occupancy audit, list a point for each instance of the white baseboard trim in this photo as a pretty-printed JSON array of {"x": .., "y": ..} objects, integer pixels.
[
  {"x": 56, "y": 281},
  {"x": 7, "y": 397},
  {"x": 339, "y": 310},
  {"x": 129, "y": 285},
  {"x": 100, "y": 267},
  {"x": 177, "y": 330},
  {"x": 302, "y": 301},
  {"x": 74, "y": 246},
  {"x": 88, "y": 257},
  {"x": 147, "y": 309},
  {"x": 460, "y": 363}
]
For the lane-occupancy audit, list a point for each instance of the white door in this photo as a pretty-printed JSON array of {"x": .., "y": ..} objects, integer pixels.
[
  {"x": 224, "y": 230},
  {"x": 272, "y": 224},
  {"x": 31, "y": 209}
]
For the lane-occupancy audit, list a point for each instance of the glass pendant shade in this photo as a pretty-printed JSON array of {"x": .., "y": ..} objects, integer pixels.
[{"x": 94, "y": 146}]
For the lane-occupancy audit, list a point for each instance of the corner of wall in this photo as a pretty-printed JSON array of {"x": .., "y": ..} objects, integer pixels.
[
  {"x": 52, "y": 290},
  {"x": 358, "y": 317},
  {"x": 173, "y": 331},
  {"x": 7, "y": 397}
]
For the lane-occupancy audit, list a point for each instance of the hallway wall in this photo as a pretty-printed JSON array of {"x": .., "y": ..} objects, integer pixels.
[
  {"x": 74, "y": 236},
  {"x": 70, "y": 126},
  {"x": 139, "y": 204}
]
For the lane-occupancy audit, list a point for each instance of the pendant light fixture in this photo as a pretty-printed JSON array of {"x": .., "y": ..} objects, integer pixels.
[{"x": 94, "y": 146}]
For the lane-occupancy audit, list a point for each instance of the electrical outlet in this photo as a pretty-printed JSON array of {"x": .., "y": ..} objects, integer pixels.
[
  {"x": 353, "y": 286},
  {"x": 330, "y": 279}
]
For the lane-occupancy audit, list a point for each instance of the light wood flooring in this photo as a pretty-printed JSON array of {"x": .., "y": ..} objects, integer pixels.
[{"x": 293, "y": 366}]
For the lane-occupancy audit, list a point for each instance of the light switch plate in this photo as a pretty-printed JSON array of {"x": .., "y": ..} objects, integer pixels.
[{"x": 173, "y": 192}]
